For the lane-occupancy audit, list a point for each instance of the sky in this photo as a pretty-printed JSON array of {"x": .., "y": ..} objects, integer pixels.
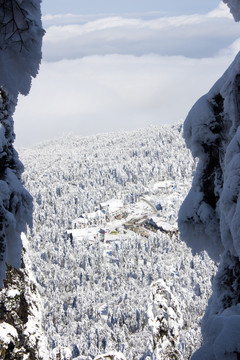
[
  {"x": 126, "y": 6},
  {"x": 113, "y": 65}
]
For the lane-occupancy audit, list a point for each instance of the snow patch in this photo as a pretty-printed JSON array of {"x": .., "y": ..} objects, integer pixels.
[{"x": 7, "y": 333}]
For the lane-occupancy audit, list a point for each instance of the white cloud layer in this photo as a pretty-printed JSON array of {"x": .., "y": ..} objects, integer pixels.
[
  {"x": 116, "y": 73},
  {"x": 113, "y": 92},
  {"x": 72, "y": 36}
]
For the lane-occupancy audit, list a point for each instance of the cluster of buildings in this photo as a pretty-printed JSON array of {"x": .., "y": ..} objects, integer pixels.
[
  {"x": 112, "y": 218},
  {"x": 93, "y": 226},
  {"x": 108, "y": 211}
]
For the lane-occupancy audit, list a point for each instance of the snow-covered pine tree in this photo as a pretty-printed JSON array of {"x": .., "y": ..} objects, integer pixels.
[
  {"x": 210, "y": 215},
  {"x": 20, "y": 43}
]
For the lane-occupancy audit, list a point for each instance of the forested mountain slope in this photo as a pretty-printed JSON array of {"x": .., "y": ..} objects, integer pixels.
[{"x": 140, "y": 295}]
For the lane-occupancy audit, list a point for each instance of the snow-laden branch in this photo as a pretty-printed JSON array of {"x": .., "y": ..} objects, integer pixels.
[{"x": 20, "y": 44}]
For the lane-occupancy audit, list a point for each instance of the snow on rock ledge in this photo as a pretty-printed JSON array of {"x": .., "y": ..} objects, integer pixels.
[
  {"x": 7, "y": 333},
  {"x": 21, "y": 334}
]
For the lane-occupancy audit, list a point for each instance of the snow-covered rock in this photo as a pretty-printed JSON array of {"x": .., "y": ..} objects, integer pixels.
[
  {"x": 20, "y": 42},
  {"x": 21, "y": 333},
  {"x": 209, "y": 216}
]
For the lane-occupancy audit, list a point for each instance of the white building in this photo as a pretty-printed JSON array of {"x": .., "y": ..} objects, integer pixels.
[{"x": 112, "y": 207}]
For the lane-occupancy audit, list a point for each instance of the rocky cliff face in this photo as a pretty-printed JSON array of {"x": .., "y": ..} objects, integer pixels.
[
  {"x": 209, "y": 217},
  {"x": 21, "y": 337}
]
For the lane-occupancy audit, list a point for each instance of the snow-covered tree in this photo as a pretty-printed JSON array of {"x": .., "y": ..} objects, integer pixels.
[
  {"x": 210, "y": 215},
  {"x": 20, "y": 54},
  {"x": 97, "y": 297}
]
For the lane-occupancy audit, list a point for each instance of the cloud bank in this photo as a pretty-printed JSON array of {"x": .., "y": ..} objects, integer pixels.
[
  {"x": 116, "y": 73},
  {"x": 72, "y": 37},
  {"x": 113, "y": 92}
]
